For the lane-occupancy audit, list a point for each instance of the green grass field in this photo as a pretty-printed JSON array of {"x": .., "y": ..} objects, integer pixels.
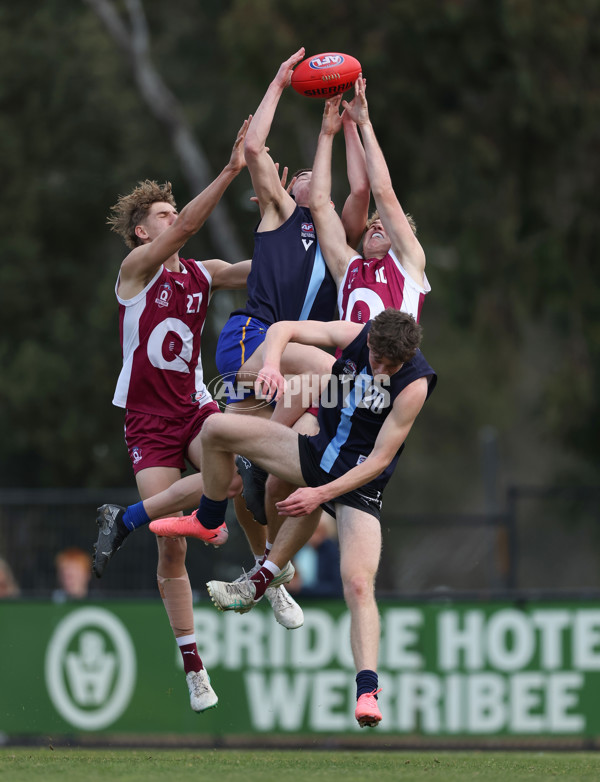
[{"x": 301, "y": 765}]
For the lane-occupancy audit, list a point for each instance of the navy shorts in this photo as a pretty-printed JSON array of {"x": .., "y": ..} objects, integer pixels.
[
  {"x": 240, "y": 337},
  {"x": 363, "y": 498}
]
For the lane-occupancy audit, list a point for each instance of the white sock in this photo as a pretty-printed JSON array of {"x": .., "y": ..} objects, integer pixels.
[{"x": 272, "y": 567}]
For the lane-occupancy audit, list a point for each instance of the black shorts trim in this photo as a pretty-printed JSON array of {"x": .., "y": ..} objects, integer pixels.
[{"x": 364, "y": 498}]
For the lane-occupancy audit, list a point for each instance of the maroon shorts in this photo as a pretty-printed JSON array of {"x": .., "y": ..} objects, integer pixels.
[{"x": 154, "y": 441}]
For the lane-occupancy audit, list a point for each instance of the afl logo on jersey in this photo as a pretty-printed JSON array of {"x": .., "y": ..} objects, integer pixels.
[
  {"x": 307, "y": 231},
  {"x": 349, "y": 368},
  {"x": 164, "y": 295}
]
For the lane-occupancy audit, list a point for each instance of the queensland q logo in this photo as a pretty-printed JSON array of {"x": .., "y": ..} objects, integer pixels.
[
  {"x": 326, "y": 62},
  {"x": 90, "y": 668}
]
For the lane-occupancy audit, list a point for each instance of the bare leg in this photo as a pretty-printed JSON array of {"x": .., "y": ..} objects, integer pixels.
[
  {"x": 249, "y": 406},
  {"x": 171, "y": 557},
  {"x": 181, "y": 494},
  {"x": 277, "y": 489},
  {"x": 176, "y": 593},
  {"x": 272, "y": 446},
  {"x": 360, "y": 551},
  {"x": 302, "y": 392},
  {"x": 310, "y": 368},
  {"x": 296, "y": 360},
  {"x": 256, "y": 533},
  {"x": 293, "y": 534}
]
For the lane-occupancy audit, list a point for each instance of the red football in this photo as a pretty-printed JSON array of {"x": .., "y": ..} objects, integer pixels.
[{"x": 325, "y": 75}]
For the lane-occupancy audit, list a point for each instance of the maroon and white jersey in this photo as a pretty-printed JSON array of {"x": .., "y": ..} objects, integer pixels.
[
  {"x": 160, "y": 332},
  {"x": 371, "y": 286}
]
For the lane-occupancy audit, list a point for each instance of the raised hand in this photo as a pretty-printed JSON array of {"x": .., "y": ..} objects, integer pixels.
[
  {"x": 332, "y": 119},
  {"x": 358, "y": 108},
  {"x": 237, "y": 159},
  {"x": 284, "y": 74}
]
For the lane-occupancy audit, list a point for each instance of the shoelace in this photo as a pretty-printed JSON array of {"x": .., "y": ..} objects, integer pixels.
[
  {"x": 372, "y": 694},
  {"x": 246, "y": 576},
  {"x": 199, "y": 685},
  {"x": 237, "y": 587},
  {"x": 280, "y": 599}
]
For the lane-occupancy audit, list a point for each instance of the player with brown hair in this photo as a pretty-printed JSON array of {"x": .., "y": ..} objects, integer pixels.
[{"x": 375, "y": 391}]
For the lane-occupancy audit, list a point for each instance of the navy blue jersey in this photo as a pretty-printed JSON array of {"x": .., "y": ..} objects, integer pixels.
[
  {"x": 289, "y": 279},
  {"x": 354, "y": 406}
]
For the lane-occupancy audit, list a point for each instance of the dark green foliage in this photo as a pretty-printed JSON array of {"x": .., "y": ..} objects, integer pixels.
[{"x": 488, "y": 114}]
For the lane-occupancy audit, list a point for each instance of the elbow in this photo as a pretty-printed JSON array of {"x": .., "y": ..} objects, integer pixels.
[
  {"x": 252, "y": 148},
  {"x": 317, "y": 201},
  {"x": 383, "y": 192},
  {"x": 378, "y": 466},
  {"x": 361, "y": 190},
  {"x": 185, "y": 227}
]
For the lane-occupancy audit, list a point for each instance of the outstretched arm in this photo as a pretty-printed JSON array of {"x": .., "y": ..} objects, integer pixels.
[
  {"x": 356, "y": 209},
  {"x": 143, "y": 262},
  {"x": 272, "y": 198},
  {"x": 404, "y": 242},
  {"x": 228, "y": 276},
  {"x": 330, "y": 230},
  {"x": 284, "y": 176}
]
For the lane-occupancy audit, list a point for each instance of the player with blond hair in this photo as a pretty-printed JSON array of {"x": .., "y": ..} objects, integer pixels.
[{"x": 163, "y": 300}]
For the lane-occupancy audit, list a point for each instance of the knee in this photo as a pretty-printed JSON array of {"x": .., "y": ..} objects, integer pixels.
[
  {"x": 359, "y": 587},
  {"x": 220, "y": 432},
  {"x": 211, "y": 429},
  {"x": 171, "y": 552},
  {"x": 278, "y": 489}
]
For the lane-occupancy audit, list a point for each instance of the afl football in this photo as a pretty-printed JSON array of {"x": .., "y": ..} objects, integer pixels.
[{"x": 325, "y": 75}]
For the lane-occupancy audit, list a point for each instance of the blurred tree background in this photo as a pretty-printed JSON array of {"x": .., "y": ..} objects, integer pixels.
[{"x": 489, "y": 116}]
